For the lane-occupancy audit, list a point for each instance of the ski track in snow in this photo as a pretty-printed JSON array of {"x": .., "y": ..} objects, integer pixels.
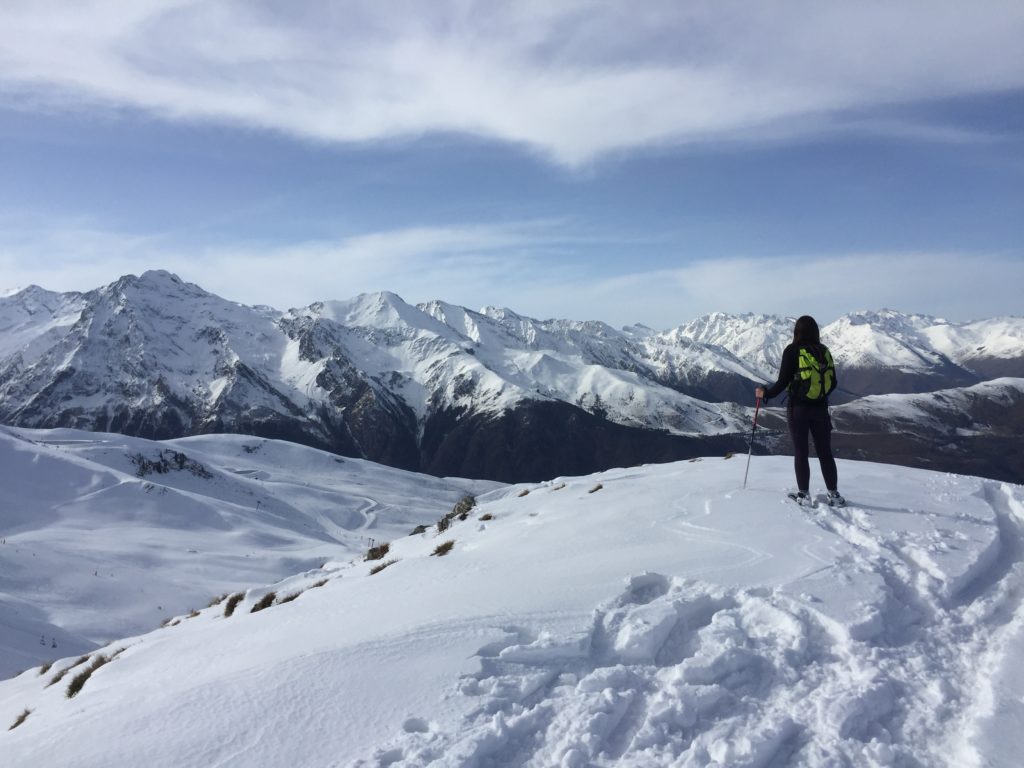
[{"x": 674, "y": 672}]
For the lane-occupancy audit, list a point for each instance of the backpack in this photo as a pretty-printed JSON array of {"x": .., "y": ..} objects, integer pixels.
[{"x": 815, "y": 375}]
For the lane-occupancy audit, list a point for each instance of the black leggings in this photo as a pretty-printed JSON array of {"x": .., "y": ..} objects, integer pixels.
[{"x": 814, "y": 419}]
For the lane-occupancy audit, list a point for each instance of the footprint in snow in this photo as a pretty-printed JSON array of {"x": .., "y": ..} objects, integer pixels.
[{"x": 669, "y": 672}]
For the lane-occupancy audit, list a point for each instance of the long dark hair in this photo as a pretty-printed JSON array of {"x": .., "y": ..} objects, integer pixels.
[{"x": 806, "y": 331}]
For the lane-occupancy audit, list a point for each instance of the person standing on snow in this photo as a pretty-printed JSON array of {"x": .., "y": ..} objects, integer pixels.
[{"x": 808, "y": 374}]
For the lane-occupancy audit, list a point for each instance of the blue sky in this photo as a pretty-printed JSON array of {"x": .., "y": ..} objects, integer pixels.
[{"x": 569, "y": 159}]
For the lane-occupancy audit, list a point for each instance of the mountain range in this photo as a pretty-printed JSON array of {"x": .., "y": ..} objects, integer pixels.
[{"x": 491, "y": 394}]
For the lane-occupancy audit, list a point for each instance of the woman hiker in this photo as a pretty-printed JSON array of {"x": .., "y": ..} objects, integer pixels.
[{"x": 808, "y": 374}]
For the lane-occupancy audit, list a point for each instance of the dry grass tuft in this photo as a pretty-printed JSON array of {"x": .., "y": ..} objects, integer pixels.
[
  {"x": 232, "y": 603},
  {"x": 318, "y": 584},
  {"x": 596, "y": 488},
  {"x": 524, "y": 492},
  {"x": 558, "y": 487},
  {"x": 443, "y": 549},
  {"x": 78, "y": 681},
  {"x": 264, "y": 602},
  {"x": 60, "y": 675},
  {"x": 288, "y": 598},
  {"x": 217, "y": 600},
  {"x": 378, "y": 568},
  {"x": 487, "y": 517},
  {"x": 45, "y": 668},
  {"x": 21, "y": 719}
]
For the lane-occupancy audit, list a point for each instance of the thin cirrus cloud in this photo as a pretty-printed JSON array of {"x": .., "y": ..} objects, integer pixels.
[
  {"x": 571, "y": 80},
  {"x": 470, "y": 263},
  {"x": 519, "y": 265}
]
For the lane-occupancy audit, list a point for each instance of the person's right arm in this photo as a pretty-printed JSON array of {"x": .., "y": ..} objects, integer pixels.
[{"x": 787, "y": 370}]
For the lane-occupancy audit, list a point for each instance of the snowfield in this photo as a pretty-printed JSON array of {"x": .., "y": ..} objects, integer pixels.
[
  {"x": 652, "y": 616},
  {"x": 94, "y": 551}
]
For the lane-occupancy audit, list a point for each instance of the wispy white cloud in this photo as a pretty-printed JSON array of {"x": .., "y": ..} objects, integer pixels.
[
  {"x": 572, "y": 79},
  {"x": 470, "y": 264},
  {"x": 532, "y": 267},
  {"x": 959, "y": 286}
]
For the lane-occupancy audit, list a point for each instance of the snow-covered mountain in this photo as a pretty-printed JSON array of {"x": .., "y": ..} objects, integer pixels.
[
  {"x": 878, "y": 352},
  {"x": 373, "y": 376},
  {"x": 973, "y": 429},
  {"x": 106, "y": 535},
  {"x": 652, "y": 616},
  {"x": 436, "y": 387},
  {"x": 758, "y": 339}
]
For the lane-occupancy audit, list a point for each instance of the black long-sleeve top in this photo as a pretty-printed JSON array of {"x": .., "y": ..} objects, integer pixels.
[{"x": 787, "y": 372}]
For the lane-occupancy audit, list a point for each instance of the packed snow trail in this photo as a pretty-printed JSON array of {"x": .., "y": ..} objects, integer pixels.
[
  {"x": 675, "y": 672},
  {"x": 653, "y": 616}
]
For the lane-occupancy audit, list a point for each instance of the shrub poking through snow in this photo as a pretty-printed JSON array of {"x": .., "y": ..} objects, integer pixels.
[
  {"x": 558, "y": 487},
  {"x": 232, "y": 603},
  {"x": 288, "y": 598},
  {"x": 20, "y": 719},
  {"x": 60, "y": 675},
  {"x": 596, "y": 488},
  {"x": 193, "y": 613},
  {"x": 487, "y": 517},
  {"x": 378, "y": 552},
  {"x": 264, "y": 602},
  {"x": 729, "y": 455},
  {"x": 45, "y": 668},
  {"x": 378, "y": 568},
  {"x": 217, "y": 600},
  {"x": 443, "y": 549},
  {"x": 318, "y": 584},
  {"x": 166, "y": 621},
  {"x": 168, "y": 461},
  {"x": 79, "y": 680},
  {"x": 524, "y": 492}
]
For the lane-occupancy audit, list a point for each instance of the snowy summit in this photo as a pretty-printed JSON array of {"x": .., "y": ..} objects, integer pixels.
[{"x": 654, "y": 616}]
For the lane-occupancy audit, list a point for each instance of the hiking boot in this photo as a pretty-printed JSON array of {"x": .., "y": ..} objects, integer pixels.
[{"x": 835, "y": 499}]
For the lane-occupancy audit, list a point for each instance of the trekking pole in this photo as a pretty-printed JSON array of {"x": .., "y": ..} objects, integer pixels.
[{"x": 757, "y": 408}]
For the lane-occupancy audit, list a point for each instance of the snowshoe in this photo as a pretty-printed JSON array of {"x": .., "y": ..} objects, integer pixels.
[
  {"x": 801, "y": 498},
  {"x": 835, "y": 499}
]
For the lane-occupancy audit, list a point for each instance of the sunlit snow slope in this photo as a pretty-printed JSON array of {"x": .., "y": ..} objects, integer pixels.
[
  {"x": 95, "y": 551},
  {"x": 655, "y": 616}
]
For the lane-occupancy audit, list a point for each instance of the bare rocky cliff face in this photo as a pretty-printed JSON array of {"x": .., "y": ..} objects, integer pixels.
[{"x": 493, "y": 394}]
